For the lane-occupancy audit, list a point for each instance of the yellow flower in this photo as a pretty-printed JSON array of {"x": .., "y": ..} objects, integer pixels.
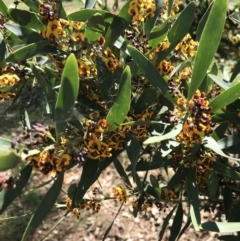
[{"x": 120, "y": 194}]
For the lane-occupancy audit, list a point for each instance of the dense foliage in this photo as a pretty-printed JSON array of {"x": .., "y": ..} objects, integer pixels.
[{"x": 145, "y": 81}]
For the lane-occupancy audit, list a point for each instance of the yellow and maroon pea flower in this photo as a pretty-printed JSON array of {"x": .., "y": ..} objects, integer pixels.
[
  {"x": 121, "y": 194},
  {"x": 168, "y": 193},
  {"x": 8, "y": 79},
  {"x": 6, "y": 95}
]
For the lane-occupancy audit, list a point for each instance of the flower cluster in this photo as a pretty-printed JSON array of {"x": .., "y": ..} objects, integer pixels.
[
  {"x": 121, "y": 194},
  {"x": 141, "y": 10},
  {"x": 89, "y": 205},
  {"x": 8, "y": 80}
]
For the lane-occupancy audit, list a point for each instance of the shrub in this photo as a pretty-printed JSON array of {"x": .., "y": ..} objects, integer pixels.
[{"x": 144, "y": 81}]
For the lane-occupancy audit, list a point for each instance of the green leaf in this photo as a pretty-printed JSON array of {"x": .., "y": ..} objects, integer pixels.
[
  {"x": 230, "y": 116},
  {"x": 26, "y": 52},
  {"x": 155, "y": 185},
  {"x": 84, "y": 14},
  {"x": 170, "y": 5},
  {"x": 3, "y": 8},
  {"x": 3, "y": 48},
  {"x": 89, "y": 4},
  {"x": 158, "y": 34},
  {"x": 219, "y": 132},
  {"x": 189, "y": 221},
  {"x": 94, "y": 28},
  {"x": 45, "y": 206},
  {"x": 173, "y": 133},
  {"x": 193, "y": 199},
  {"x": 179, "y": 29},
  {"x": 120, "y": 108},
  {"x": 115, "y": 30},
  {"x": 234, "y": 214},
  {"x": 150, "y": 22},
  {"x": 227, "y": 201},
  {"x": 133, "y": 148},
  {"x": 221, "y": 82},
  {"x": 26, "y": 18},
  {"x": 202, "y": 23},
  {"x": 5, "y": 144},
  {"x": 228, "y": 238},
  {"x": 177, "y": 223},
  {"x": 121, "y": 172},
  {"x": 226, "y": 171},
  {"x": 61, "y": 11},
  {"x": 148, "y": 70},
  {"x": 221, "y": 227},
  {"x": 8, "y": 196},
  {"x": 235, "y": 72},
  {"x": 208, "y": 44},
  {"x": 9, "y": 160},
  {"x": 165, "y": 223},
  {"x": 210, "y": 143},
  {"x": 33, "y": 5},
  {"x": 106, "y": 81},
  {"x": 89, "y": 172},
  {"x": 67, "y": 94},
  {"x": 230, "y": 143},
  {"x": 147, "y": 98},
  {"x": 212, "y": 183},
  {"x": 25, "y": 34},
  {"x": 176, "y": 179},
  {"x": 110, "y": 226},
  {"x": 226, "y": 97}
]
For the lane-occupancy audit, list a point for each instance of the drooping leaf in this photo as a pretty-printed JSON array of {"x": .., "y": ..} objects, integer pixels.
[
  {"x": 155, "y": 185},
  {"x": 89, "y": 172},
  {"x": 45, "y": 206},
  {"x": 120, "y": 108},
  {"x": 193, "y": 199},
  {"x": 226, "y": 97},
  {"x": 9, "y": 160},
  {"x": 221, "y": 82},
  {"x": 148, "y": 96},
  {"x": 173, "y": 133},
  {"x": 210, "y": 143},
  {"x": 235, "y": 72},
  {"x": 177, "y": 223},
  {"x": 121, "y": 172},
  {"x": 110, "y": 226},
  {"x": 26, "y": 18},
  {"x": 208, "y": 44},
  {"x": 165, "y": 223},
  {"x": 221, "y": 227},
  {"x": 133, "y": 148},
  {"x": 26, "y": 52},
  {"x": 94, "y": 28},
  {"x": 226, "y": 171},
  {"x": 8, "y": 196},
  {"x": 67, "y": 94}
]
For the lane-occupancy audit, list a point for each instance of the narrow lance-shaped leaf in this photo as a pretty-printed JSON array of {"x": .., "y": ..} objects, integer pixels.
[
  {"x": 89, "y": 4},
  {"x": 67, "y": 94},
  {"x": 45, "y": 206},
  {"x": 193, "y": 199},
  {"x": 120, "y": 108},
  {"x": 221, "y": 227},
  {"x": 8, "y": 196},
  {"x": 133, "y": 148},
  {"x": 3, "y": 8},
  {"x": 236, "y": 71},
  {"x": 177, "y": 223},
  {"x": 226, "y": 97},
  {"x": 208, "y": 44}
]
